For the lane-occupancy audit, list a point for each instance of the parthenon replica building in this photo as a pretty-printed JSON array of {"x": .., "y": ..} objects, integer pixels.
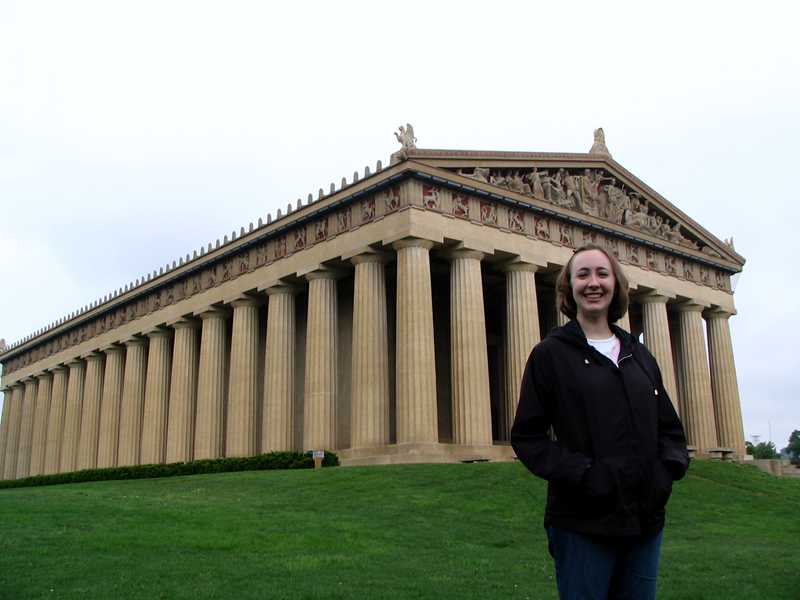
[{"x": 389, "y": 319}]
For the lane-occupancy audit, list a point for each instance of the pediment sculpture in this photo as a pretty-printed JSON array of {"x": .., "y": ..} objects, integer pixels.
[{"x": 593, "y": 192}]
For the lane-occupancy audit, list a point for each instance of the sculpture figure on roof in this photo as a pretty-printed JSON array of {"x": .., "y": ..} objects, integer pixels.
[
  {"x": 599, "y": 146},
  {"x": 405, "y": 135},
  {"x": 3, "y": 346}
]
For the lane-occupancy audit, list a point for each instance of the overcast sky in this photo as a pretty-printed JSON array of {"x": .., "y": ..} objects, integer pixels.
[{"x": 133, "y": 132}]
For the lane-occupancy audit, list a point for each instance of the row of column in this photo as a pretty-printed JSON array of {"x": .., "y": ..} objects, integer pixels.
[{"x": 172, "y": 397}]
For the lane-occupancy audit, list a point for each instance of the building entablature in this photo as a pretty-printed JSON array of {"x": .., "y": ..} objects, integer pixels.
[{"x": 534, "y": 206}]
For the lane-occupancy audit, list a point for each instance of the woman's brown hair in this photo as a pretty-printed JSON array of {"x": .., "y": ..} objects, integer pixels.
[{"x": 619, "y": 302}]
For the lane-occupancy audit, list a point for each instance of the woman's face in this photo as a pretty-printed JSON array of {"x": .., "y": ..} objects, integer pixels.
[{"x": 592, "y": 280}]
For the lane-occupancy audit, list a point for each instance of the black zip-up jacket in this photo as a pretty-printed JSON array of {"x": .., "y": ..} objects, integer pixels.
[{"x": 618, "y": 443}]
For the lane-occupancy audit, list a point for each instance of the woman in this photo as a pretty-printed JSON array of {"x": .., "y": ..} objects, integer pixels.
[{"x": 618, "y": 443}]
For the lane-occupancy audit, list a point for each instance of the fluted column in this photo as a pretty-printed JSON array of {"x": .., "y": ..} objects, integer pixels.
[
  {"x": 561, "y": 318},
  {"x": 7, "y": 393},
  {"x": 657, "y": 340},
  {"x": 156, "y": 398},
  {"x": 39, "y": 443},
  {"x": 521, "y": 335},
  {"x": 72, "y": 418},
  {"x": 625, "y": 322},
  {"x": 55, "y": 421},
  {"x": 417, "y": 419},
  {"x": 724, "y": 388},
  {"x": 15, "y": 400},
  {"x": 132, "y": 409},
  {"x": 277, "y": 429},
  {"x": 209, "y": 439},
  {"x": 469, "y": 372},
  {"x": 698, "y": 407},
  {"x": 319, "y": 406},
  {"x": 110, "y": 407},
  {"x": 90, "y": 419},
  {"x": 26, "y": 428},
  {"x": 241, "y": 438},
  {"x": 370, "y": 354},
  {"x": 183, "y": 392}
]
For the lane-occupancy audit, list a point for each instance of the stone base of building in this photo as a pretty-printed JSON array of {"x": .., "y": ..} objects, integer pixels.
[{"x": 395, "y": 454}]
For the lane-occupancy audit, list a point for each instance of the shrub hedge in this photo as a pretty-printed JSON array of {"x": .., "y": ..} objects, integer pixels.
[{"x": 261, "y": 462}]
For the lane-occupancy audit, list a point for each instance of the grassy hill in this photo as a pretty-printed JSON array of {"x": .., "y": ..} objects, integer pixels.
[{"x": 413, "y": 531}]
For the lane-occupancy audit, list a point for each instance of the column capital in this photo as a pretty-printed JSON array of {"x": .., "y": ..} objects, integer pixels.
[
  {"x": 110, "y": 348},
  {"x": 717, "y": 312},
  {"x": 134, "y": 341},
  {"x": 412, "y": 242},
  {"x": 690, "y": 306},
  {"x": 518, "y": 265},
  {"x": 320, "y": 272},
  {"x": 93, "y": 355},
  {"x": 157, "y": 332},
  {"x": 369, "y": 256},
  {"x": 75, "y": 362},
  {"x": 57, "y": 368},
  {"x": 457, "y": 253},
  {"x": 243, "y": 300},
  {"x": 281, "y": 288},
  {"x": 184, "y": 323},
  {"x": 652, "y": 297},
  {"x": 212, "y": 312}
]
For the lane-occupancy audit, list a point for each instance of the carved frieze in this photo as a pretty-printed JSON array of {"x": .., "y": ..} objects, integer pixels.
[
  {"x": 461, "y": 206},
  {"x": 488, "y": 213},
  {"x": 430, "y": 197}
]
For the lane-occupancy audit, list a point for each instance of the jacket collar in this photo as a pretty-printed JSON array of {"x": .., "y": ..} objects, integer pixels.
[{"x": 572, "y": 333}]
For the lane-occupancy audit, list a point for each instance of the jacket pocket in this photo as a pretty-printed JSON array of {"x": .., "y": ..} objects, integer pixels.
[{"x": 660, "y": 486}]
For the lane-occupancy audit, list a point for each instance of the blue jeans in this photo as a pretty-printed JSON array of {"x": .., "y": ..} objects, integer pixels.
[{"x": 594, "y": 568}]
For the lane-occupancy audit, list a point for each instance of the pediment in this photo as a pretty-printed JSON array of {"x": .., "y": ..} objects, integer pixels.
[{"x": 586, "y": 187}]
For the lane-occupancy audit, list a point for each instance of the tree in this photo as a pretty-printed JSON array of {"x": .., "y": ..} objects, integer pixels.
[
  {"x": 793, "y": 449},
  {"x": 762, "y": 450}
]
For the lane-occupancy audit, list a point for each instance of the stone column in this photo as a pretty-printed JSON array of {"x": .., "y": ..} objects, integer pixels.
[
  {"x": 15, "y": 400},
  {"x": 469, "y": 373},
  {"x": 40, "y": 419},
  {"x": 417, "y": 419},
  {"x": 156, "y": 398},
  {"x": 625, "y": 321},
  {"x": 698, "y": 407},
  {"x": 7, "y": 393},
  {"x": 657, "y": 340},
  {"x": 26, "y": 428},
  {"x": 277, "y": 428},
  {"x": 241, "y": 438},
  {"x": 72, "y": 418},
  {"x": 370, "y": 354},
  {"x": 209, "y": 439},
  {"x": 183, "y": 392},
  {"x": 724, "y": 388},
  {"x": 675, "y": 338},
  {"x": 521, "y": 335},
  {"x": 110, "y": 407},
  {"x": 132, "y": 409},
  {"x": 55, "y": 421},
  {"x": 90, "y": 421},
  {"x": 561, "y": 318},
  {"x": 319, "y": 403}
]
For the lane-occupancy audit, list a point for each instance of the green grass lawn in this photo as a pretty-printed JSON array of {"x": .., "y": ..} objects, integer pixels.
[{"x": 413, "y": 531}]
